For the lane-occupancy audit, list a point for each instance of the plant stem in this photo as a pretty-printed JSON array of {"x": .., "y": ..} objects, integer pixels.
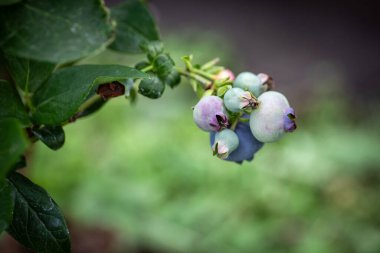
[
  {"x": 210, "y": 64},
  {"x": 236, "y": 121},
  {"x": 205, "y": 83},
  {"x": 146, "y": 69},
  {"x": 203, "y": 73}
]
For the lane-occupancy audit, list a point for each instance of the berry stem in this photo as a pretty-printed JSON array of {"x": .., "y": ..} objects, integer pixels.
[
  {"x": 236, "y": 121},
  {"x": 203, "y": 74},
  {"x": 210, "y": 64},
  {"x": 146, "y": 69},
  {"x": 205, "y": 83}
]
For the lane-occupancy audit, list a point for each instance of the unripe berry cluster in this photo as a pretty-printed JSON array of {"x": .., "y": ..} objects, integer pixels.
[{"x": 242, "y": 114}]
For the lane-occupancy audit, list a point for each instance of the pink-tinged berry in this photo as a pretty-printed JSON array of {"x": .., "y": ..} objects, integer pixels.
[{"x": 210, "y": 115}]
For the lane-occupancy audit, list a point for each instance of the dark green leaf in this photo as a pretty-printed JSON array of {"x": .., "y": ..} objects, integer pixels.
[
  {"x": 61, "y": 95},
  {"x": 8, "y": 2},
  {"x": 54, "y": 31},
  {"x": 95, "y": 105},
  {"x": 52, "y": 136},
  {"x": 163, "y": 65},
  {"x": 152, "y": 87},
  {"x": 6, "y": 204},
  {"x": 21, "y": 163},
  {"x": 141, "y": 65},
  {"x": 13, "y": 143},
  {"x": 10, "y": 103},
  {"x": 135, "y": 26},
  {"x": 28, "y": 74},
  {"x": 37, "y": 221}
]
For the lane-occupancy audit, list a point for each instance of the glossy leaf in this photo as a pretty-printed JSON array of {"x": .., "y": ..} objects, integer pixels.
[
  {"x": 51, "y": 136},
  {"x": 135, "y": 26},
  {"x": 10, "y": 103},
  {"x": 54, "y": 31},
  {"x": 37, "y": 222},
  {"x": 13, "y": 143},
  {"x": 6, "y": 204},
  {"x": 95, "y": 106},
  {"x": 28, "y": 74},
  {"x": 8, "y": 2},
  {"x": 62, "y": 94},
  {"x": 21, "y": 163}
]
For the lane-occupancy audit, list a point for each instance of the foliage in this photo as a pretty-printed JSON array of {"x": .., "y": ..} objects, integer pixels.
[
  {"x": 42, "y": 90},
  {"x": 46, "y": 86}
]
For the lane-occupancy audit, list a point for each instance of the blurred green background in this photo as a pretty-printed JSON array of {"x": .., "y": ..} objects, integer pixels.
[{"x": 147, "y": 172}]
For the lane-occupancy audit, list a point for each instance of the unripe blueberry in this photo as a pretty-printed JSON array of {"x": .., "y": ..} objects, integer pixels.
[
  {"x": 248, "y": 144},
  {"x": 210, "y": 115},
  {"x": 236, "y": 99},
  {"x": 226, "y": 141},
  {"x": 225, "y": 74},
  {"x": 272, "y": 118},
  {"x": 250, "y": 82}
]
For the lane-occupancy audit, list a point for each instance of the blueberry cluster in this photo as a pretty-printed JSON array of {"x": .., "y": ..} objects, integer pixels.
[{"x": 243, "y": 116}]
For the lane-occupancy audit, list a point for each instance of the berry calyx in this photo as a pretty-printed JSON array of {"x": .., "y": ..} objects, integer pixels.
[{"x": 236, "y": 99}]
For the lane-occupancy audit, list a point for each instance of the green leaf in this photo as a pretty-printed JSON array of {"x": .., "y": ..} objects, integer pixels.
[
  {"x": 135, "y": 26},
  {"x": 8, "y": 2},
  {"x": 21, "y": 163},
  {"x": 95, "y": 106},
  {"x": 51, "y": 136},
  {"x": 28, "y": 74},
  {"x": 37, "y": 220},
  {"x": 10, "y": 103},
  {"x": 61, "y": 95},
  {"x": 151, "y": 88},
  {"x": 6, "y": 204},
  {"x": 13, "y": 143},
  {"x": 54, "y": 31}
]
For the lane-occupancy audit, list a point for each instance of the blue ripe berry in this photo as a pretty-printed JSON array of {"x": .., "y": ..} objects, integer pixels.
[
  {"x": 272, "y": 118},
  {"x": 210, "y": 115},
  {"x": 226, "y": 141},
  {"x": 250, "y": 82},
  {"x": 248, "y": 144},
  {"x": 237, "y": 99}
]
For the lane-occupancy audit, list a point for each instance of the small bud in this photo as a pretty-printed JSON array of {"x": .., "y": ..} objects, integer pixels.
[{"x": 225, "y": 74}]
